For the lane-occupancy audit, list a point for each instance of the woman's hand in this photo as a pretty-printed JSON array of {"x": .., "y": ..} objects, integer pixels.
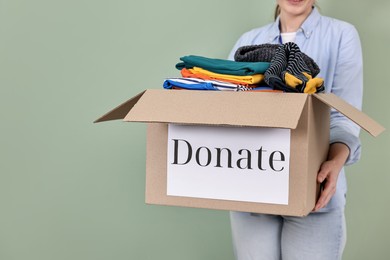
[{"x": 329, "y": 173}]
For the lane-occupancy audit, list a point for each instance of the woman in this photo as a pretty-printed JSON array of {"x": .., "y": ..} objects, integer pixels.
[{"x": 335, "y": 46}]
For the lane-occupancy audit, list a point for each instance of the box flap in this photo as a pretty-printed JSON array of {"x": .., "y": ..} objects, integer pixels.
[
  {"x": 120, "y": 111},
  {"x": 219, "y": 108},
  {"x": 357, "y": 116}
]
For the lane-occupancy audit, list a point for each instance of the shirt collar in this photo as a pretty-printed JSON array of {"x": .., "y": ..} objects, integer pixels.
[{"x": 307, "y": 27}]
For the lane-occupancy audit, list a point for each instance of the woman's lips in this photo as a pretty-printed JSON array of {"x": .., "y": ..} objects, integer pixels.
[{"x": 295, "y": 1}]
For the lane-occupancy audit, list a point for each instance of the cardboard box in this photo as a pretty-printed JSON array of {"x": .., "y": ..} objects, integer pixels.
[{"x": 307, "y": 117}]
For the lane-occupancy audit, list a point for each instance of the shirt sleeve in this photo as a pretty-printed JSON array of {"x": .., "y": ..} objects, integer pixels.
[
  {"x": 245, "y": 39},
  {"x": 235, "y": 47},
  {"x": 348, "y": 85}
]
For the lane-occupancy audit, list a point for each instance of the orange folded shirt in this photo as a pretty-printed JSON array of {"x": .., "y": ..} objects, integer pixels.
[{"x": 200, "y": 73}]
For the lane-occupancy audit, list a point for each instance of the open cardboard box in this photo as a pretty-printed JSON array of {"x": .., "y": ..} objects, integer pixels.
[{"x": 306, "y": 115}]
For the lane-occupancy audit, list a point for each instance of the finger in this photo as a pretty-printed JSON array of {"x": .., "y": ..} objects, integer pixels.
[
  {"x": 323, "y": 201},
  {"x": 322, "y": 176},
  {"x": 323, "y": 173},
  {"x": 326, "y": 194}
]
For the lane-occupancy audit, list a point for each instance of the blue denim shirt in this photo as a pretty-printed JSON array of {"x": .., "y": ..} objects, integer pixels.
[{"x": 335, "y": 46}]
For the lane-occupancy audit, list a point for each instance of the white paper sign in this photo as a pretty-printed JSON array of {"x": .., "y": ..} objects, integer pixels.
[{"x": 229, "y": 163}]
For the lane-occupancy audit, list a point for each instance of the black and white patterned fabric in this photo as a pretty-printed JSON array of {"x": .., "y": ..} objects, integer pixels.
[{"x": 288, "y": 70}]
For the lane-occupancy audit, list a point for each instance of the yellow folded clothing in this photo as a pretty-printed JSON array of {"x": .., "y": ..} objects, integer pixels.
[
  {"x": 243, "y": 80},
  {"x": 310, "y": 86}
]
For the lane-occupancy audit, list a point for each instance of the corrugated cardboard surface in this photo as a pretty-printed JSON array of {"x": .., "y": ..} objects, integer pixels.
[
  {"x": 306, "y": 115},
  {"x": 218, "y": 108},
  {"x": 229, "y": 108},
  {"x": 360, "y": 118},
  {"x": 318, "y": 145},
  {"x": 156, "y": 178},
  {"x": 120, "y": 111}
]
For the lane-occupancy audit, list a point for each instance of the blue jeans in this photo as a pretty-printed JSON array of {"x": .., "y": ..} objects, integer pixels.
[{"x": 318, "y": 236}]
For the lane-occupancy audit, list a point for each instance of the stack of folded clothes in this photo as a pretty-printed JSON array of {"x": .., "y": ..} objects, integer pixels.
[
  {"x": 265, "y": 67},
  {"x": 202, "y": 73}
]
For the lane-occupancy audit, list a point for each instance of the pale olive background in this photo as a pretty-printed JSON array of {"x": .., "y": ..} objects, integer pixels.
[{"x": 71, "y": 189}]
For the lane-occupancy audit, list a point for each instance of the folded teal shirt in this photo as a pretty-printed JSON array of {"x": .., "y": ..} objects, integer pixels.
[{"x": 222, "y": 66}]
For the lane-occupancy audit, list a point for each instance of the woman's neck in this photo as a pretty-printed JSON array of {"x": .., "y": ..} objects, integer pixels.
[
  {"x": 291, "y": 23},
  {"x": 291, "y": 26}
]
